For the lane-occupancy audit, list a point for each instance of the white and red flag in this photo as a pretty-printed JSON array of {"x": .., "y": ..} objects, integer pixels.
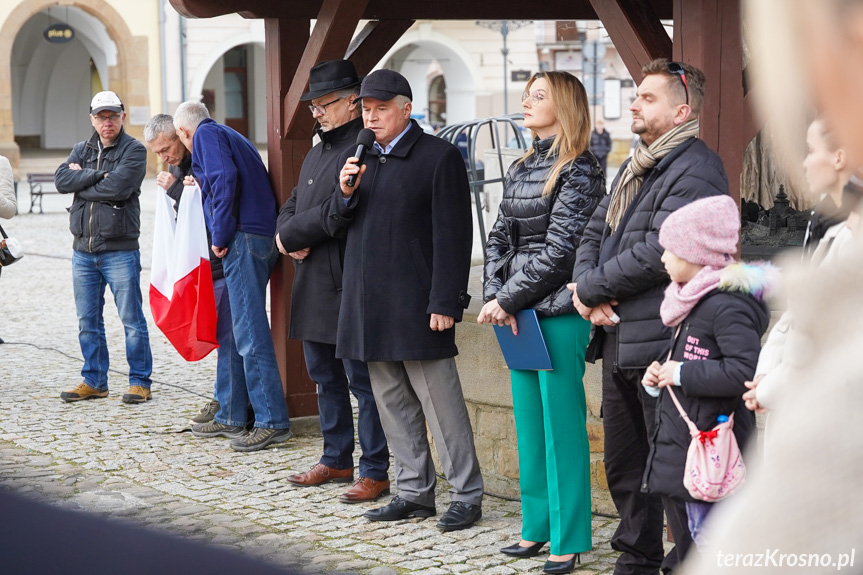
[{"x": 181, "y": 283}]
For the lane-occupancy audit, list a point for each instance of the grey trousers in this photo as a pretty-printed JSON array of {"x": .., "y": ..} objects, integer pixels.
[{"x": 409, "y": 394}]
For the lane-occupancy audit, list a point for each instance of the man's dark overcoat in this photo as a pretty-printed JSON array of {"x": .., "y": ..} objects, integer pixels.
[
  {"x": 409, "y": 235},
  {"x": 317, "y": 290}
]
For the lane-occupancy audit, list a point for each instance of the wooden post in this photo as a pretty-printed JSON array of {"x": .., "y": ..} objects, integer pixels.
[
  {"x": 285, "y": 41},
  {"x": 707, "y": 34}
]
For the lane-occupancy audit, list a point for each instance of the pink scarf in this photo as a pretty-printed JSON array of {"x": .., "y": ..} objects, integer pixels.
[{"x": 681, "y": 298}]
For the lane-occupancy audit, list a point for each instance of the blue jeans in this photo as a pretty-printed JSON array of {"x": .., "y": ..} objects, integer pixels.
[
  {"x": 335, "y": 377},
  {"x": 229, "y": 366},
  {"x": 248, "y": 264},
  {"x": 121, "y": 270}
]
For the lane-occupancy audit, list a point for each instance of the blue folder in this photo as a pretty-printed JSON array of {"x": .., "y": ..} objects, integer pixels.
[{"x": 527, "y": 350}]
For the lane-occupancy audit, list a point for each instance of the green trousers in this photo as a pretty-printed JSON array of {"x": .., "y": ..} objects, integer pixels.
[{"x": 553, "y": 451}]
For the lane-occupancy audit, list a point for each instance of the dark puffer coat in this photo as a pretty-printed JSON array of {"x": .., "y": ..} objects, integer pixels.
[
  {"x": 719, "y": 342},
  {"x": 625, "y": 266},
  {"x": 531, "y": 248}
]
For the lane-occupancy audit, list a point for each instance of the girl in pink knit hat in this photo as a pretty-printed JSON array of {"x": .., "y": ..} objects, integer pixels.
[{"x": 716, "y": 307}]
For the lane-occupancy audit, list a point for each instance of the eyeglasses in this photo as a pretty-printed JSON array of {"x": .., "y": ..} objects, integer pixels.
[
  {"x": 102, "y": 119},
  {"x": 677, "y": 70},
  {"x": 321, "y": 109},
  {"x": 536, "y": 96}
]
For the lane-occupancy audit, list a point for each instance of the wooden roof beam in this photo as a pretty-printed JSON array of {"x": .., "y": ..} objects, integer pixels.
[
  {"x": 374, "y": 41},
  {"x": 334, "y": 28},
  {"x": 636, "y": 31}
]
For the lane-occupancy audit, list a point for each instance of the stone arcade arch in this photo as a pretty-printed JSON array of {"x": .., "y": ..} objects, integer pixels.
[
  {"x": 412, "y": 56},
  {"x": 127, "y": 75}
]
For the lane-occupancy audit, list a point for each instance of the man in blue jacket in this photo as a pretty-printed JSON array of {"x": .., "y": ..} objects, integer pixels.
[
  {"x": 240, "y": 210},
  {"x": 105, "y": 173}
]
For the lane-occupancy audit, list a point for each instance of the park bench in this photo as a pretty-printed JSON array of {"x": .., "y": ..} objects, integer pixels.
[{"x": 37, "y": 184}]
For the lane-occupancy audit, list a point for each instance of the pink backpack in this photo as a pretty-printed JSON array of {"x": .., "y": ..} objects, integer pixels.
[{"x": 714, "y": 466}]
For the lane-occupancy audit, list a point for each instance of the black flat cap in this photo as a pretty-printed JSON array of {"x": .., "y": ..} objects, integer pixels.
[
  {"x": 329, "y": 76},
  {"x": 385, "y": 85}
]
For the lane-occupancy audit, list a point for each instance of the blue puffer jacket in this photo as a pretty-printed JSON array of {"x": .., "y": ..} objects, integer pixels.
[{"x": 237, "y": 191}]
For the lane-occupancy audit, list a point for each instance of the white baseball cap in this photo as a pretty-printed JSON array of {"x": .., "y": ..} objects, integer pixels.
[{"x": 106, "y": 100}]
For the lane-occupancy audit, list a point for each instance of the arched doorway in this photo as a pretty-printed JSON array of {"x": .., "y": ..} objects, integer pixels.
[
  {"x": 233, "y": 88},
  {"x": 440, "y": 76},
  {"x": 52, "y": 84},
  {"x": 119, "y": 58}
]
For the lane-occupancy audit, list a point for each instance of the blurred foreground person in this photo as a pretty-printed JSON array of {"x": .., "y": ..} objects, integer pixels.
[{"x": 800, "y": 511}]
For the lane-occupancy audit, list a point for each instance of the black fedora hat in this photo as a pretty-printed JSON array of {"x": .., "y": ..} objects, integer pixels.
[{"x": 329, "y": 76}]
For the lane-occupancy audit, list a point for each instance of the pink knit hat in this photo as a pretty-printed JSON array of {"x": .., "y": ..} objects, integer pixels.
[{"x": 704, "y": 232}]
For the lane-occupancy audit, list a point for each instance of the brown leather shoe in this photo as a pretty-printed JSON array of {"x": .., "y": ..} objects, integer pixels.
[
  {"x": 365, "y": 489},
  {"x": 320, "y": 473}
]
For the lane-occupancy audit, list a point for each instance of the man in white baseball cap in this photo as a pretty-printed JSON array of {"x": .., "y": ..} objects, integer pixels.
[{"x": 105, "y": 173}]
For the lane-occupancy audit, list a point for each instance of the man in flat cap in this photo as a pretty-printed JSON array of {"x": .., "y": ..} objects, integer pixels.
[
  {"x": 105, "y": 173},
  {"x": 407, "y": 260},
  {"x": 317, "y": 293}
]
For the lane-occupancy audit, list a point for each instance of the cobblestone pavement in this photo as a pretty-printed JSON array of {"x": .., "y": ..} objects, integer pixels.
[{"x": 139, "y": 463}]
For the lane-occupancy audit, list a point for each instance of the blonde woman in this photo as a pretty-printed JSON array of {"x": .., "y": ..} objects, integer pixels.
[{"x": 549, "y": 195}]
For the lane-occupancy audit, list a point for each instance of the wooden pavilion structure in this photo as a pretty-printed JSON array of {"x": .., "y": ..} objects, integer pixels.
[{"x": 707, "y": 34}]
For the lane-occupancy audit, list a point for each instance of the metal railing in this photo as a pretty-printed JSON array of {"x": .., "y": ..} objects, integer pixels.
[{"x": 476, "y": 175}]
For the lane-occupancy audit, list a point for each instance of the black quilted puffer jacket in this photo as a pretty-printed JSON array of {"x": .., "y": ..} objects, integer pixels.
[{"x": 531, "y": 248}]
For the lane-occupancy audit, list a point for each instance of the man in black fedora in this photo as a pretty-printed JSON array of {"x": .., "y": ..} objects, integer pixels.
[
  {"x": 317, "y": 291},
  {"x": 408, "y": 225}
]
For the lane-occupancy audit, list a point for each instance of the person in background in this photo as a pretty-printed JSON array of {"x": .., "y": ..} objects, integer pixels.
[
  {"x": 317, "y": 293},
  {"x": 104, "y": 174},
  {"x": 600, "y": 144},
  {"x": 240, "y": 211},
  {"x": 549, "y": 195}
]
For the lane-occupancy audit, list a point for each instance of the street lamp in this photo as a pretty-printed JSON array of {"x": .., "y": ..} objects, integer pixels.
[{"x": 504, "y": 27}]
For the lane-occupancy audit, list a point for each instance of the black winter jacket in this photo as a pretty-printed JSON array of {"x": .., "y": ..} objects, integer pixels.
[
  {"x": 317, "y": 291},
  {"x": 723, "y": 332},
  {"x": 626, "y": 265},
  {"x": 531, "y": 247},
  {"x": 105, "y": 214},
  {"x": 407, "y": 254}
]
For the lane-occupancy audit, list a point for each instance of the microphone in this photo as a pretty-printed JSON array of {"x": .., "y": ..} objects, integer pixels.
[{"x": 365, "y": 139}]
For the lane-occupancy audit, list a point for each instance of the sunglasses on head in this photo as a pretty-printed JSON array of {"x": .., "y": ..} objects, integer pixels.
[{"x": 676, "y": 69}]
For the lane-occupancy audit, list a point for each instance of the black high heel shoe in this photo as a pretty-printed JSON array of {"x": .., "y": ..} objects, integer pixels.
[
  {"x": 558, "y": 567},
  {"x": 519, "y": 551}
]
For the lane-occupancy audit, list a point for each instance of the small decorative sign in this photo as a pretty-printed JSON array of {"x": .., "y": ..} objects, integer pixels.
[
  {"x": 58, "y": 33},
  {"x": 520, "y": 75}
]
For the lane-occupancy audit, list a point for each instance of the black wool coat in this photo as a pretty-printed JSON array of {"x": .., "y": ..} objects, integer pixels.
[
  {"x": 408, "y": 251},
  {"x": 317, "y": 291},
  {"x": 626, "y": 266},
  {"x": 531, "y": 247},
  {"x": 724, "y": 331}
]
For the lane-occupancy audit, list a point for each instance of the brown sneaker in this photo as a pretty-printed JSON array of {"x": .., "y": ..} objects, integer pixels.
[
  {"x": 83, "y": 391},
  {"x": 137, "y": 394},
  {"x": 320, "y": 473},
  {"x": 365, "y": 489}
]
